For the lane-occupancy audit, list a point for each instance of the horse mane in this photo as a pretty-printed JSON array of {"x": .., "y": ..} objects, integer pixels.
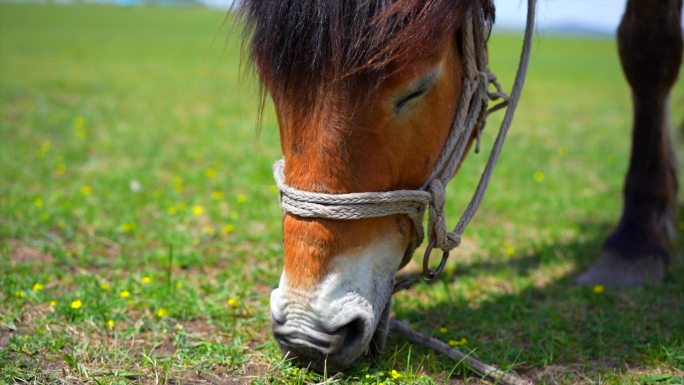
[{"x": 308, "y": 48}]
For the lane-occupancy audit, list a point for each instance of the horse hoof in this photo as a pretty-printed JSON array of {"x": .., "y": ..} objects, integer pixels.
[{"x": 612, "y": 270}]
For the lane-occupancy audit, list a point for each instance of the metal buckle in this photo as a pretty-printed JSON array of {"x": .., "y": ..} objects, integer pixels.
[{"x": 428, "y": 273}]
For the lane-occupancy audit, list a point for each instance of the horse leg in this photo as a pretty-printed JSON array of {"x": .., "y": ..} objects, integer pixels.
[{"x": 650, "y": 47}]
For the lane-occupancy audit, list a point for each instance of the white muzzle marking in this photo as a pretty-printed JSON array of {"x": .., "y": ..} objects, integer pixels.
[{"x": 357, "y": 286}]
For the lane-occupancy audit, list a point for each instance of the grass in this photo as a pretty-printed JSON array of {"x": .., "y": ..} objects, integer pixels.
[{"x": 140, "y": 230}]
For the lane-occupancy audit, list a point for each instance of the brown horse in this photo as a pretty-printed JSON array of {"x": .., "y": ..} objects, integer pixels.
[{"x": 365, "y": 93}]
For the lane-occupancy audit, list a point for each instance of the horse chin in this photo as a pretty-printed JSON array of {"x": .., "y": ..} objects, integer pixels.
[{"x": 379, "y": 339}]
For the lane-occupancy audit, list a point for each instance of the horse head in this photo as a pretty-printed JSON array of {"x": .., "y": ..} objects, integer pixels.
[{"x": 365, "y": 93}]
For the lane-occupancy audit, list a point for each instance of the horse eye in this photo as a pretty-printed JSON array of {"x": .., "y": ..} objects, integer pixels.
[{"x": 402, "y": 102}]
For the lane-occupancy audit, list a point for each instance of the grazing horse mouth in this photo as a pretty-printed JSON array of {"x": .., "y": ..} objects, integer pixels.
[{"x": 333, "y": 351}]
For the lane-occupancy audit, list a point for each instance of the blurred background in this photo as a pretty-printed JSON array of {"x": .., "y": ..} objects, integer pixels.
[
  {"x": 561, "y": 16},
  {"x": 140, "y": 227}
]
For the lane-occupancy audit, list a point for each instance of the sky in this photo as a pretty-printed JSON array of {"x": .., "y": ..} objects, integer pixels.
[
  {"x": 601, "y": 16},
  {"x": 594, "y": 16}
]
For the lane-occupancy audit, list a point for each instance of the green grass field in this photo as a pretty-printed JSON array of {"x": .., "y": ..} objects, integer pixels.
[{"x": 140, "y": 229}]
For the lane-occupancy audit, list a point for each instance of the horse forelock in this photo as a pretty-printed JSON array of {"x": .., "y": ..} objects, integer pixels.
[{"x": 308, "y": 50}]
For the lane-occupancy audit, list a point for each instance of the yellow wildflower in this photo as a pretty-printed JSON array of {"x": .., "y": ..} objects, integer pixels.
[
  {"x": 460, "y": 342},
  {"x": 232, "y": 302},
  {"x": 44, "y": 148},
  {"x": 105, "y": 286},
  {"x": 124, "y": 294},
  {"x": 217, "y": 195},
  {"x": 86, "y": 190},
  {"x": 162, "y": 312},
  {"x": 598, "y": 289},
  {"x": 19, "y": 294},
  {"x": 81, "y": 133},
  {"x": 227, "y": 229},
  {"x": 178, "y": 184},
  {"x": 171, "y": 211},
  {"x": 111, "y": 324},
  {"x": 197, "y": 210},
  {"x": 37, "y": 287},
  {"x": 60, "y": 169},
  {"x": 53, "y": 303},
  {"x": 80, "y": 127},
  {"x": 38, "y": 202},
  {"x": 179, "y": 285},
  {"x": 508, "y": 248},
  {"x": 146, "y": 279},
  {"x": 127, "y": 227},
  {"x": 210, "y": 173},
  {"x": 443, "y": 330},
  {"x": 538, "y": 176},
  {"x": 395, "y": 374},
  {"x": 241, "y": 198},
  {"x": 76, "y": 304}
]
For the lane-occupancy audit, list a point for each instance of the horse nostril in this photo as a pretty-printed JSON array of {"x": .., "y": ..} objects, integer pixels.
[{"x": 350, "y": 335}]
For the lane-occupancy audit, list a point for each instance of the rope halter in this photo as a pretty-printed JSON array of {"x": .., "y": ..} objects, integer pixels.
[{"x": 470, "y": 119}]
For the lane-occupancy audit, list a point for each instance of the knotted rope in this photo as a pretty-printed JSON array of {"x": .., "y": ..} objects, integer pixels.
[{"x": 470, "y": 119}]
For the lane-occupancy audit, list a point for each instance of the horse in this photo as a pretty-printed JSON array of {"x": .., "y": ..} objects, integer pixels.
[{"x": 366, "y": 93}]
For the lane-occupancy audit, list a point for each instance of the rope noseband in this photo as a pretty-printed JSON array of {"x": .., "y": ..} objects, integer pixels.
[{"x": 470, "y": 119}]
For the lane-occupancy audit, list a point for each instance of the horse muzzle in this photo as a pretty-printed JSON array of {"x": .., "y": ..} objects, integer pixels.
[
  {"x": 313, "y": 346},
  {"x": 329, "y": 332}
]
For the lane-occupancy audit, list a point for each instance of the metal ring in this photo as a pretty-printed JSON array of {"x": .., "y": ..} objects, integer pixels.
[
  {"x": 428, "y": 273},
  {"x": 426, "y": 256}
]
